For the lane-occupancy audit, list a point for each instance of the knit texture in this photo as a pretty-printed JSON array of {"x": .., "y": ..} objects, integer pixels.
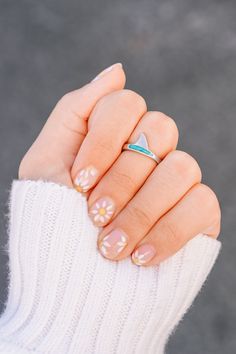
[{"x": 64, "y": 297}]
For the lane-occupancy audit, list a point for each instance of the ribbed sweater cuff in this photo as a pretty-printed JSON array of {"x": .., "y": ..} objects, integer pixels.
[{"x": 64, "y": 297}]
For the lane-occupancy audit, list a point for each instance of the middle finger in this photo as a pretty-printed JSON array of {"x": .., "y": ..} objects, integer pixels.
[{"x": 131, "y": 169}]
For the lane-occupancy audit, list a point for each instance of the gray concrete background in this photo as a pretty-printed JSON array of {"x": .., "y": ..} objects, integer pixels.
[{"x": 181, "y": 56}]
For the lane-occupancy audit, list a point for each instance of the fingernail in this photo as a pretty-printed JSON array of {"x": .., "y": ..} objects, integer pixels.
[
  {"x": 85, "y": 179},
  {"x": 107, "y": 70},
  {"x": 101, "y": 211},
  {"x": 143, "y": 254},
  {"x": 113, "y": 243}
]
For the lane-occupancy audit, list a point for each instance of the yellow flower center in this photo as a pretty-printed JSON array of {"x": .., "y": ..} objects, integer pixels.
[
  {"x": 102, "y": 211},
  {"x": 79, "y": 189}
]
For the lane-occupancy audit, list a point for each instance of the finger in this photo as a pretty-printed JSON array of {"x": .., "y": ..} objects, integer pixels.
[
  {"x": 167, "y": 184},
  {"x": 196, "y": 213},
  {"x": 111, "y": 123},
  {"x": 66, "y": 127},
  {"x": 131, "y": 169}
]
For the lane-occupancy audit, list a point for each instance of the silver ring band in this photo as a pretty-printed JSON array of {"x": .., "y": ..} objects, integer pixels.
[{"x": 141, "y": 147}]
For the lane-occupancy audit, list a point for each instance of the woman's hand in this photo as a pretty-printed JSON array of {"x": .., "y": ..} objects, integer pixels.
[
  {"x": 53, "y": 153},
  {"x": 148, "y": 210}
]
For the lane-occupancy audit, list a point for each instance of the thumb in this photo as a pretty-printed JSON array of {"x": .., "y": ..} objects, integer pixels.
[
  {"x": 67, "y": 124},
  {"x": 66, "y": 127}
]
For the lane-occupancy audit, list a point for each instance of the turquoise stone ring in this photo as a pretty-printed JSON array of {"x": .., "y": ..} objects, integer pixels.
[{"x": 141, "y": 146}]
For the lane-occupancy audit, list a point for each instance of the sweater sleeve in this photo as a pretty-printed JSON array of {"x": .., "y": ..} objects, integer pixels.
[{"x": 64, "y": 297}]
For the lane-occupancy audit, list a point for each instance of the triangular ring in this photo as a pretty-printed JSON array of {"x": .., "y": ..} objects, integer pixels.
[{"x": 141, "y": 146}]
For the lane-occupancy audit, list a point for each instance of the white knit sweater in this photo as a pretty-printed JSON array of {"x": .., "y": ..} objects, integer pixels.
[{"x": 64, "y": 297}]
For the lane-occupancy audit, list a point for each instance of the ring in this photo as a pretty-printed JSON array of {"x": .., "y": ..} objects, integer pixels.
[{"x": 141, "y": 146}]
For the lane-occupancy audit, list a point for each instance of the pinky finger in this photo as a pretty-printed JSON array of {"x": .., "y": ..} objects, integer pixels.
[{"x": 197, "y": 212}]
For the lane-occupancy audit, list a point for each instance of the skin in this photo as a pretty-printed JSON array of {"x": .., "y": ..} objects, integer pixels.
[{"x": 156, "y": 207}]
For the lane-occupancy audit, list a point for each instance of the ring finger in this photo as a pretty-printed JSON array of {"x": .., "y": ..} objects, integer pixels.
[
  {"x": 131, "y": 169},
  {"x": 167, "y": 184}
]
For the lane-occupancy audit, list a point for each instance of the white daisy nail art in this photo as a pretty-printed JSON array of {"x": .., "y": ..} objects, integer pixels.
[
  {"x": 143, "y": 254},
  {"x": 102, "y": 211},
  {"x": 112, "y": 244},
  {"x": 85, "y": 179}
]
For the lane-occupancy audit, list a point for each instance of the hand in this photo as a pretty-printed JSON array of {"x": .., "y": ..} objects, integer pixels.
[
  {"x": 53, "y": 153},
  {"x": 148, "y": 211}
]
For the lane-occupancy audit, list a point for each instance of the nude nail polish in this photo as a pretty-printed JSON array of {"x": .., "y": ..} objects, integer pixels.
[
  {"x": 102, "y": 211},
  {"x": 85, "y": 179},
  {"x": 143, "y": 254},
  {"x": 112, "y": 244},
  {"x": 107, "y": 70}
]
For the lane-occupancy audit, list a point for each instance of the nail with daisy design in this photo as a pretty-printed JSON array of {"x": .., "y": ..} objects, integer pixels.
[
  {"x": 101, "y": 211},
  {"x": 113, "y": 243},
  {"x": 85, "y": 179},
  {"x": 143, "y": 254}
]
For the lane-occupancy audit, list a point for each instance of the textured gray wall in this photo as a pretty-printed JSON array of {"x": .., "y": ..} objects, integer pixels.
[{"x": 181, "y": 56}]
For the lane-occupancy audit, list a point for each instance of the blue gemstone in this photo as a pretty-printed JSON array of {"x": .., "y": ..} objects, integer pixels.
[{"x": 141, "y": 149}]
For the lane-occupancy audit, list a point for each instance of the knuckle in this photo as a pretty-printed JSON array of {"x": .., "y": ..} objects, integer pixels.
[
  {"x": 139, "y": 215},
  {"x": 125, "y": 99},
  {"x": 209, "y": 199},
  {"x": 171, "y": 127},
  {"x": 129, "y": 97},
  {"x": 184, "y": 164},
  {"x": 165, "y": 125},
  {"x": 123, "y": 182}
]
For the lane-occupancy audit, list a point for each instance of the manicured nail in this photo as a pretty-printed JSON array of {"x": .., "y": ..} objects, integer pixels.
[
  {"x": 113, "y": 243},
  {"x": 143, "y": 254},
  {"x": 85, "y": 179},
  {"x": 101, "y": 211},
  {"x": 107, "y": 70}
]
